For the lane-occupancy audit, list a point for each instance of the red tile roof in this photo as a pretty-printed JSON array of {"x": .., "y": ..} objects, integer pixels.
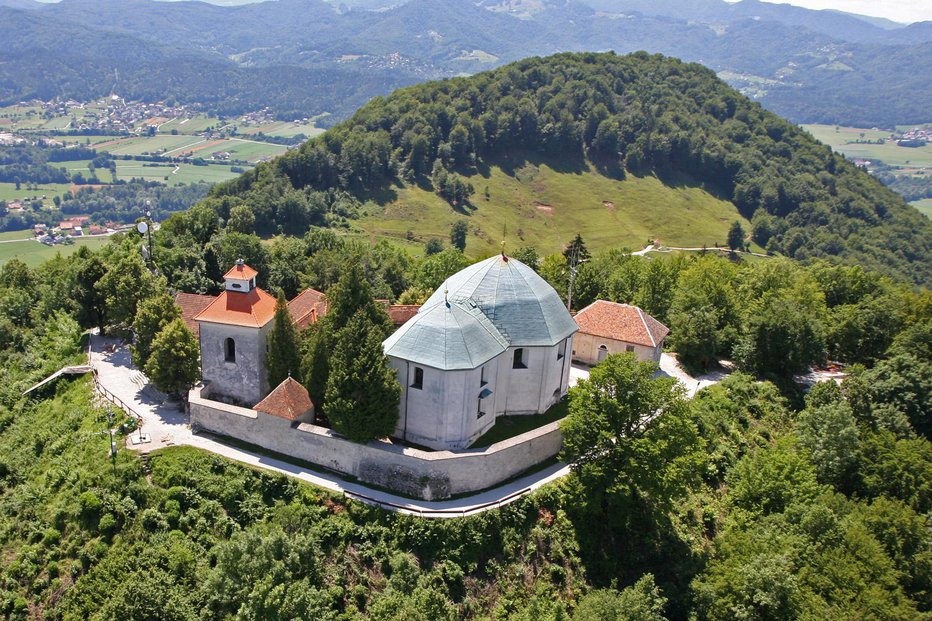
[
  {"x": 243, "y": 272},
  {"x": 252, "y": 310},
  {"x": 290, "y": 400},
  {"x": 191, "y": 306},
  {"x": 621, "y": 322},
  {"x": 401, "y": 313},
  {"x": 307, "y": 307}
]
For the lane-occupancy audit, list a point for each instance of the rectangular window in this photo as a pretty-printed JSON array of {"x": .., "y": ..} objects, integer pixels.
[
  {"x": 483, "y": 380},
  {"x": 561, "y": 350},
  {"x": 480, "y": 413},
  {"x": 418, "y": 378},
  {"x": 520, "y": 361},
  {"x": 629, "y": 347}
]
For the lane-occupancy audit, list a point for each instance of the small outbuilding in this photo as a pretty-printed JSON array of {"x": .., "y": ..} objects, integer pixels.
[
  {"x": 611, "y": 328},
  {"x": 290, "y": 401}
]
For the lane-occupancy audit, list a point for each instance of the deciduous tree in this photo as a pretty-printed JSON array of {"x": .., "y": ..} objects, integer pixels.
[
  {"x": 151, "y": 318},
  {"x": 173, "y": 364}
]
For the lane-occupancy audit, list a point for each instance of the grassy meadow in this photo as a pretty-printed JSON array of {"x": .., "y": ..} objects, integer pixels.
[
  {"x": 539, "y": 206},
  {"x": 843, "y": 141},
  {"x": 924, "y": 206},
  {"x": 32, "y": 253}
]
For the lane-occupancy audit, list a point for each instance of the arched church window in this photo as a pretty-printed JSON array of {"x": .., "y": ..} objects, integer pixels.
[
  {"x": 603, "y": 353},
  {"x": 229, "y": 350}
]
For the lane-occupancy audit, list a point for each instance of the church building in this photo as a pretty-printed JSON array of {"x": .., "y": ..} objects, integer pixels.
[{"x": 494, "y": 340}]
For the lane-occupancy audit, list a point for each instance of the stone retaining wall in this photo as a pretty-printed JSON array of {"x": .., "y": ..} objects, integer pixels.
[{"x": 430, "y": 475}]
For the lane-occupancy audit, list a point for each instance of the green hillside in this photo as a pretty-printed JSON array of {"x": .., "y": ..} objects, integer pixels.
[
  {"x": 615, "y": 147},
  {"x": 537, "y": 205}
]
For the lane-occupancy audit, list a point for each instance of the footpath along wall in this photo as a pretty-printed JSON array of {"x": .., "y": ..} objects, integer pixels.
[{"x": 430, "y": 475}]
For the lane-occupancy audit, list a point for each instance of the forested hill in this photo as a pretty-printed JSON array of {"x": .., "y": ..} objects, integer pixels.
[{"x": 633, "y": 117}]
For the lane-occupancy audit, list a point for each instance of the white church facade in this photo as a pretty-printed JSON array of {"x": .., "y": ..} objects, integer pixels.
[{"x": 494, "y": 340}]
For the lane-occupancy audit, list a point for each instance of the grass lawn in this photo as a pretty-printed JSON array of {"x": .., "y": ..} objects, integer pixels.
[
  {"x": 544, "y": 208},
  {"x": 33, "y": 253},
  {"x": 924, "y": 206},
  {"x": 510, "y": 426}
]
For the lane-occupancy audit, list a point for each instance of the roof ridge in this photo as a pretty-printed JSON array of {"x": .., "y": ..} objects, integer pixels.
[{"x": 650, "y": 335}]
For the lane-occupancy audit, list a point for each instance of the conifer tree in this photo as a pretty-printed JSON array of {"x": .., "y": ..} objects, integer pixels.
[
  {"x": 173, "y": 365},
  {"x": 362, "y": 392},
  {"x": 152, "y": 316},
  {"x": 576, "y": 252},
  {"x": 283, "y": 360},
  {"x": 349, "y": 296}
]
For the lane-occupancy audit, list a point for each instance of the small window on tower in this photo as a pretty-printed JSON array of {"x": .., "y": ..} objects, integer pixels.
[
  {"x": 229, "y": 350},
  {"x": 236, "y": 285},
  {"x": 561, "y": 350},
  {"x": 520, "y": 361},
  {"x": 418, "y": 378}
]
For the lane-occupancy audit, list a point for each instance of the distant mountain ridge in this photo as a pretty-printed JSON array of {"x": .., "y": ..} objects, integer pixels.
[{"x": 810, "y": 66}]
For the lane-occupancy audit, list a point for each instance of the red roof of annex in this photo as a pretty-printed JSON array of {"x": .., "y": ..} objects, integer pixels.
[
  {"x": 621, "y": 322},
  {"x": 290, "y": 400}
]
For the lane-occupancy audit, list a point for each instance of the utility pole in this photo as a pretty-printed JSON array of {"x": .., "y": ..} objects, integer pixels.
[
  {"x": 574, "y": 263},
  {"x": 145, "y": 228}
]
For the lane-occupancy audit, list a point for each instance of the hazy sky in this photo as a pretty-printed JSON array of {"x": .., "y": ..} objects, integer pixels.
[{"x": 906, "y": 11}]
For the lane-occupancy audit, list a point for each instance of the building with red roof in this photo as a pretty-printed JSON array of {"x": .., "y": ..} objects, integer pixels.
[
  {"x": 610, "y": 328},
  {"x": 192, "y": 305},
  {"x": 233, "y": 331},
  {"x": 290, "y": 401},
  {"x": 307, "y": 308}
]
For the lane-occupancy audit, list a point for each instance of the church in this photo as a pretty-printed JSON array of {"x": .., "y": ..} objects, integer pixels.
[{"x": 494, "y": 340}]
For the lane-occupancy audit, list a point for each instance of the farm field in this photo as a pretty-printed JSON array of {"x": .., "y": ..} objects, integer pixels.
[
  {"x": 33, "y": 253},
  {"x": 924, "y": 206},
  {"x": 213, "y": 173},
  {"x": 251, "y": 151},
  {"x": 8, "y": 191},
  {"x": 889, "y": 153},
  {"x": 283, "y": 129},
  {"x": 16, "y": 235},
  {"x": 542, "y": 207}
]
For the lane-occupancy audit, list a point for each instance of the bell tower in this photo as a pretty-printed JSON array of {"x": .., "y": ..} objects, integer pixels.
[{"x": 233, "y": 332}]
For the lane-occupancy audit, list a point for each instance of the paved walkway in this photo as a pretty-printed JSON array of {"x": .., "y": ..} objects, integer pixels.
[{"x": 165, "y": 424}]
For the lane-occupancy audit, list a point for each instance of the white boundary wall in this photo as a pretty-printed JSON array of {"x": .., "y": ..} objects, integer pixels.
[{"x": 430, "y": 475}]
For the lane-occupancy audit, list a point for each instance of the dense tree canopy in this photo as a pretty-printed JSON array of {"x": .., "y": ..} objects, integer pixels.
[{"x": 640, "y": 113}]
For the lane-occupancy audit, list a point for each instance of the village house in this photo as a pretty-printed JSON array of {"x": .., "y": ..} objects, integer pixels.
[{"x": 607, "y": 328}]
